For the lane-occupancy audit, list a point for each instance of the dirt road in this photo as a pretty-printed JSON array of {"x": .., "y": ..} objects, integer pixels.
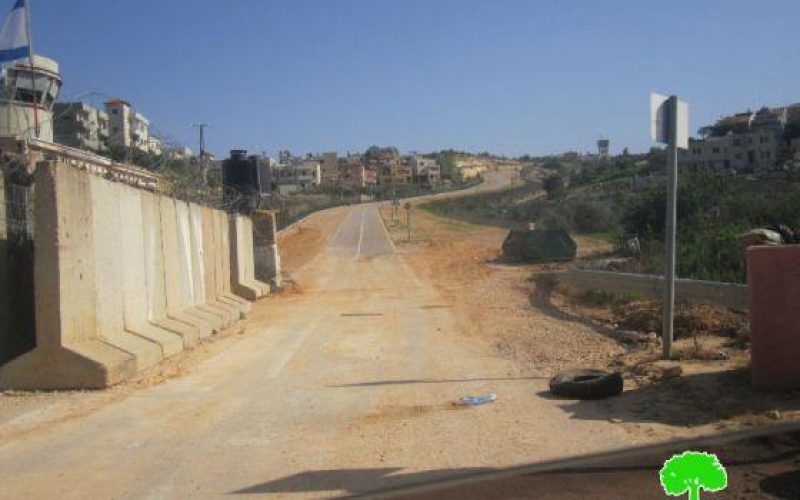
[{"x": 346, "y": 386}]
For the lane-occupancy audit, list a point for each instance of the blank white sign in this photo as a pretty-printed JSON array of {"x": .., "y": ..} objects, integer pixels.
[
  {"x": 683, "y": 124},
  {"x": 659, "y": 127},
  {"x": 659, "y": 120}
]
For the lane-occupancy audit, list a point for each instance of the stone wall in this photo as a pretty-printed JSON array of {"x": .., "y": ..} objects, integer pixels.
[{"x": 711, "y": 292}]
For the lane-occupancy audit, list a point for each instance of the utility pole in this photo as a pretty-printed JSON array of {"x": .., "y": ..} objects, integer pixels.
[{"x": 202, "y": 127}]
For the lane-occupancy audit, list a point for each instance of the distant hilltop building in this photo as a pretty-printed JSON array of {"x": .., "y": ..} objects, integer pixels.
[
  {"x": 19, "y": 98},
  {"x": 745, "y": 142},
  {"x": 603, "y": 148}
]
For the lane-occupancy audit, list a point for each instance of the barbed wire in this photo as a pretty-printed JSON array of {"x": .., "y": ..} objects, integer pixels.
[{"x": 192, "y": 179}]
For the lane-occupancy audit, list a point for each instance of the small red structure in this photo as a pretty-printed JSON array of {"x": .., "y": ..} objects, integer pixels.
[{"x": 773, "y": 282}]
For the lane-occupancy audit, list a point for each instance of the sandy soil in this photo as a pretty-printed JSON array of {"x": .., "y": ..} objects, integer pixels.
[
  {"x": 543, "y": 330},
  {"x": 495, "y": 301}
]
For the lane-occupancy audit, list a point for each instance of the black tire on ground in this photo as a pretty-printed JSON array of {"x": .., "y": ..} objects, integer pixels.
[{"x": 586, "y": 384}]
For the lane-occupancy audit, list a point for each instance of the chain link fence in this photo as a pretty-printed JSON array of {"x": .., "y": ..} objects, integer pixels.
[{"x": 17, "y": 320}]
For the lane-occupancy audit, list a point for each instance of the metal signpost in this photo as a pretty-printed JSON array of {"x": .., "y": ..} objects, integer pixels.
[
  {"x": 408, "y": 219},
  {"x": 669, "y": 123},
  {"x": 395, "y": 205}
]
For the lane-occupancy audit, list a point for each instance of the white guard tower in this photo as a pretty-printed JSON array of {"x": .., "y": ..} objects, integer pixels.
[{"x": 22, "y": 90}]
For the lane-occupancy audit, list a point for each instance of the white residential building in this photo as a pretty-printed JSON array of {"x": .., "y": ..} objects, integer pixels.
[
  {"x": 426, "y": 170},
  {"x": 128, "y": 128},
  {"x": 300, "y": 175},
  {"x": 78, "y": 125},
  {"x": 179, "y": 152},
  {"x": 743, "y": 142}
]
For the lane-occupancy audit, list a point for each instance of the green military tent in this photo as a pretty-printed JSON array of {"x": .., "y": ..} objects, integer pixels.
[{"x": 539, "y": 245}]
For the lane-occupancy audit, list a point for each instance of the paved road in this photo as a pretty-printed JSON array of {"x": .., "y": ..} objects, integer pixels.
[
  {"x": 345, "y": 387},
  {"x": 362, "y": 233}
]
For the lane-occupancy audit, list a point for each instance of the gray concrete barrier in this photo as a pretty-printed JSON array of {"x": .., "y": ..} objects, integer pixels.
[
  {"x": 202, "y": 296},
  {"x": 265, "y": 248},
  {"x": 248, "y": 245},
  {"x": 156, "y": 276},
  {"x": 239, "y": 243},
  {"x": 215, "y": 284},
  {"x": 134, "y": 277},
  {"x": 124, "y": 278},
  {"x": 173, "y": 280},
  {"x": 68, "y": 352},
  {"x": 697, "y": 291},
  {"x": 217, "y": 320},
  {"x": 109, "y": 286}
]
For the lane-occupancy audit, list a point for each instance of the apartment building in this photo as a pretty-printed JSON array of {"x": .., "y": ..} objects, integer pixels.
[
  {"x": 78, "y": 125},
  {"x": 426, "y": 171},
  {"x": 403, "y": 172},
  {"x": 744, "y": 142},
  {"x": 129, "y": 128},
  {"x": 301, "y": 175},
  {"x": 352, "y": 174},
  {"x": 355, "y": 174},
  {"x": 329, "y": 168},
  {"x": 154, "y": 145},
  {"x": 179, "y": 152},
  {"x": 386, "y": 164}
]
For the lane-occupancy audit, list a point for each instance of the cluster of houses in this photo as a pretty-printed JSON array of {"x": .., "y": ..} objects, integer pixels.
[
  {"x": 118, "y": 125},
  {"x": 289, "y": 173}
]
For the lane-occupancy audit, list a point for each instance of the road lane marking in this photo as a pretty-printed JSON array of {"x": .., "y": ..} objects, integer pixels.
[
  {"x": 361, "y": 233},
  {"x": 294, "y": 345},
  {"x": 386, "y": 232}
]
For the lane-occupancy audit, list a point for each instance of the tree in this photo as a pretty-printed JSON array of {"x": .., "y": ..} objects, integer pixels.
[
  {"x": 552, "y": 164},
  {"x": 554, "y": 185},
  {"x": 447, "y": 162},
  {"x": 692, "y": 471},
  {"x": 706, "y": 131},
  {"x": 656, "y": 159}
]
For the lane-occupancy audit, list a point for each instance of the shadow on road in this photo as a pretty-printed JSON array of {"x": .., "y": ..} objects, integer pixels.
[
  {"x": 688, "y": 401},
  {"x": 755, "y": 460},
  {"x": 785, "y": 485},
  {"x": 354, "y": 481},
  {"x": 435, "y": 381}
]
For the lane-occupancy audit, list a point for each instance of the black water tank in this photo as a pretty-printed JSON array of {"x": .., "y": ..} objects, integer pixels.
[{"x": 240, "y": 173}]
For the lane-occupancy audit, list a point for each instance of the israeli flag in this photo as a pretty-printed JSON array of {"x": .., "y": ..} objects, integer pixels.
[{"x": 15, "y": 42}]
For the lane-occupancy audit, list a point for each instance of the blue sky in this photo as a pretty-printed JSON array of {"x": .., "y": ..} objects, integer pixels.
[{"x": 511, "y": 77}]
